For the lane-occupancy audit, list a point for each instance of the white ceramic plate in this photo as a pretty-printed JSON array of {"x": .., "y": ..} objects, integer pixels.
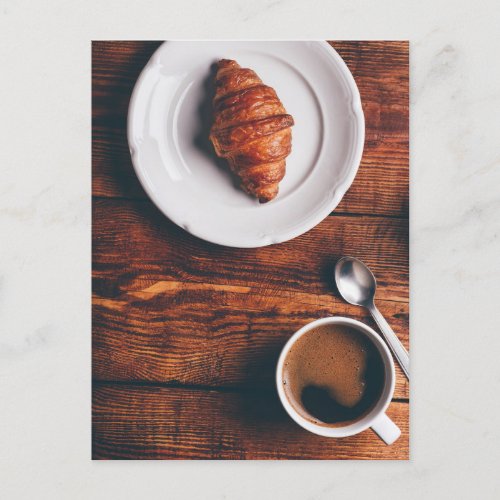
[{"x": 169, "y": 120}]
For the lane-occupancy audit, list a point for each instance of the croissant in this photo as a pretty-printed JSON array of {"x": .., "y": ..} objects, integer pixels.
[{"x": 251, "y": 129}]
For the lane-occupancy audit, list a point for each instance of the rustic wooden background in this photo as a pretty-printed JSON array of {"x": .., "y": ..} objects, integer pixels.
[{"x": 186, "y": 334}]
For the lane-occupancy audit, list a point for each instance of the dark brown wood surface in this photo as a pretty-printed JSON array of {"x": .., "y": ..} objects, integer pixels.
[
  {"x": 169, "y": 422},
  {"x": 186, "y": 334}
]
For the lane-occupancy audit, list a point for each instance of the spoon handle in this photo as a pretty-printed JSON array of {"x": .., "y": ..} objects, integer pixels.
[{"x": 397, "y": 348}]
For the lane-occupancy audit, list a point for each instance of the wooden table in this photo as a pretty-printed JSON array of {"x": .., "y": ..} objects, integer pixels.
[{"x": 186, "y": 334}]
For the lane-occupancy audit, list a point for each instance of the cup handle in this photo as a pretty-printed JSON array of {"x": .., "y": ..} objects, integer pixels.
[{"x": 387, "y": 430}]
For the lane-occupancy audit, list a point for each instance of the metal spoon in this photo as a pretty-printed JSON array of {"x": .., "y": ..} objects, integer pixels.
[{"x": 357, "y": 285}]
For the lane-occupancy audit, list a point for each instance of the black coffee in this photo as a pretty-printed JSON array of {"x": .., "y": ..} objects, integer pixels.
[{"x": 333, "y": 375}]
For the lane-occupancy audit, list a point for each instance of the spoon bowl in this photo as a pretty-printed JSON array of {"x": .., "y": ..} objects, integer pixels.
[{"x": 355, "y": 282}]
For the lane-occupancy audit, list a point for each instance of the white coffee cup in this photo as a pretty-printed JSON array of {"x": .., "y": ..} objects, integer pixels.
[{"x": 376, "y": 418}]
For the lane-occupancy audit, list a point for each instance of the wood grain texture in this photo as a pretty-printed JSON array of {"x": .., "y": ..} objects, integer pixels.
[
  {"x": 135, "y": 246},
  {"x": 186, "y": 333},
  {"x": 152, "y": 423},
  {"x": 166, "y": 334},
  {"x": 115, "y": 69},
  {"x": 170, "y": 307},
  {"x": 381, "y": 73}
]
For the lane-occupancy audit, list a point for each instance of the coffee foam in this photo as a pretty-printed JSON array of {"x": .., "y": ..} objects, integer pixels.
[{"x": 333, "y": 375}]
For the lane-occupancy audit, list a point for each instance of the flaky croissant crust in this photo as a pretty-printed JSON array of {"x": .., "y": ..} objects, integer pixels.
[{"x": 251, "y": 129}]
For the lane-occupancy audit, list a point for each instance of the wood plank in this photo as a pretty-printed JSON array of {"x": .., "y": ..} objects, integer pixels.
[
  {"x": 116, "y": 66},
  {"x": 380, "y": 70},
  {"x": 167, "y": 333},
  {"x": 131, "y": 422},
  {"x": 135, "y": 246}
]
